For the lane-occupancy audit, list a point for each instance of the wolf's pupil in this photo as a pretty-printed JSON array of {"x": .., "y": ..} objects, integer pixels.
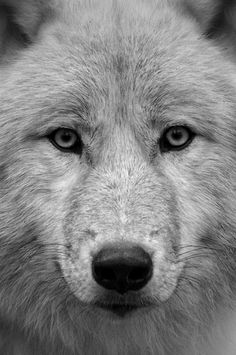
[
  {"x": 176, "y": 135},
  {"x": 66, "y": 137}
]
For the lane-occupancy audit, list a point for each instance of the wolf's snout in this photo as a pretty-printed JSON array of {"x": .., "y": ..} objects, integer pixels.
[{"x": 122, "y": 269}]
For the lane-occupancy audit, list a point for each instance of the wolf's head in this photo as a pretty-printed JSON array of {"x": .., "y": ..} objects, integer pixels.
[{"x": 118, "y": 171}]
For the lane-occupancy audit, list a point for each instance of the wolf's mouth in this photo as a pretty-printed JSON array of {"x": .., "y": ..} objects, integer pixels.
[
  {"x": 122, "y": 310},
  {"x": 118, "y": 309}
]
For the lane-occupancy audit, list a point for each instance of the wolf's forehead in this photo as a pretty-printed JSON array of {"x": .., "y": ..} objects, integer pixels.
[
  {"x": 129, "y": 40},
  {"x": 120, "y": 22},
  {"x": 108, "y": 11},
  {"x": 110, "y": 48}
]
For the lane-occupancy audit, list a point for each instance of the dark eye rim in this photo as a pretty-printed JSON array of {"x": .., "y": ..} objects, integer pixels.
[
  {"x": 164, "y": 144},
  {"x": 77, "y": 148}
]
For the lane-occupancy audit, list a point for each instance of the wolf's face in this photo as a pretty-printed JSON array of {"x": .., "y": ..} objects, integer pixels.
[{"x": 117, "y": 176}]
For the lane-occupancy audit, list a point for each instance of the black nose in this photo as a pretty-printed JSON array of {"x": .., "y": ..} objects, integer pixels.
[{"x": 122, "y": 269}]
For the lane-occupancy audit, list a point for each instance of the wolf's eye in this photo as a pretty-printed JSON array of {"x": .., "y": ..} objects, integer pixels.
[
  {"x": 66, "y": 140},
  {"x": 176, "y": 138}
]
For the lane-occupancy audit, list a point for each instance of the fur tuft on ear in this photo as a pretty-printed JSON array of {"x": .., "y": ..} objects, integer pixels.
[
  {"x": 27, "y": 14},
  {"x": 205, "y": 11},
  {"x": 217, "y": 20},
  {"x": 214, "y": 16},
  {"x": 20, "y": 21}
]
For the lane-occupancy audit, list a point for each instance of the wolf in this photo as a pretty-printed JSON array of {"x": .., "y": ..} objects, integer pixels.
[{"x": 117, "y": 177}]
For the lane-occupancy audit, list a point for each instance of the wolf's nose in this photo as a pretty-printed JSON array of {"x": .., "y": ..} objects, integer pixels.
[{"x": 122, "y": 269}]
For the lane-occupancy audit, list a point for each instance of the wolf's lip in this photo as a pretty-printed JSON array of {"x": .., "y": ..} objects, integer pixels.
[{"x": 120, "y": 310}]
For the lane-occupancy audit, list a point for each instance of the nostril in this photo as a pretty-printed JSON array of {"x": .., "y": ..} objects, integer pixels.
[
  {"x": 139, "y": 273},
  {"x": 104, "y": 273},
  {"x": 122, "y": 269}
]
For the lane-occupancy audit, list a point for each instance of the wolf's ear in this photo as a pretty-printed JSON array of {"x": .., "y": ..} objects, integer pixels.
[
  {"x": 217, "y": 18},
  {"x": 20, "y": 21}
]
